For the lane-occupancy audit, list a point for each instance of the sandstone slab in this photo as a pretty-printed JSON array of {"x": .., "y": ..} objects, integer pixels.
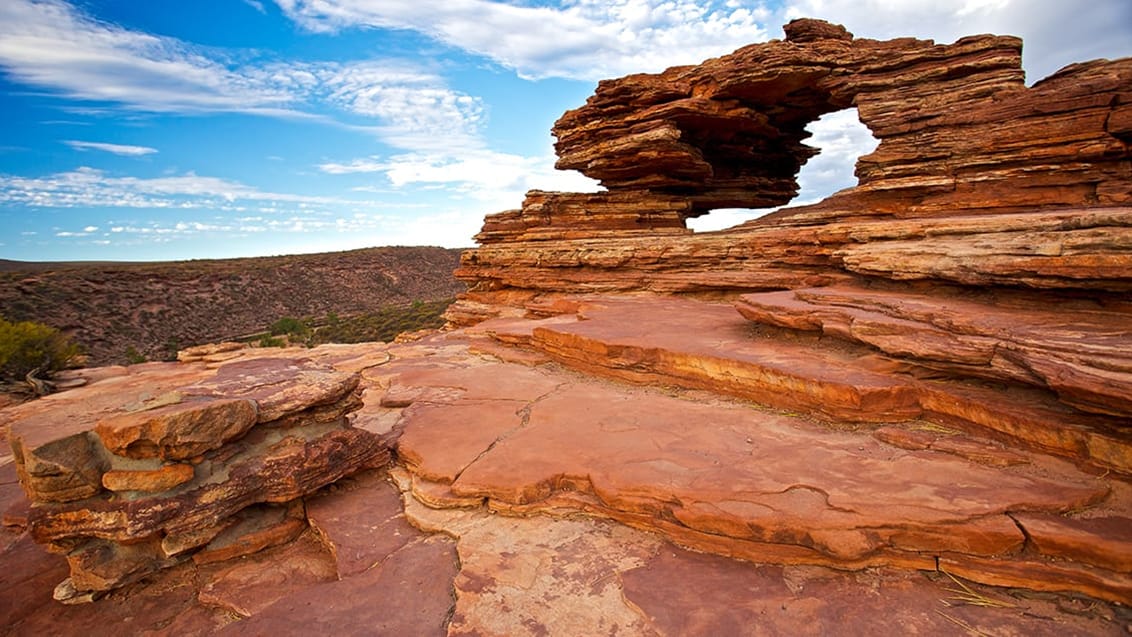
[
  {"x": 1100, "y": 541},
  {"x": 706, "y": 346},
  {"x": 177, "y": 431},
  {"x": 1080, "y": 350},
  {"x": 279, "y": 386},
  {"x": 248, "y": 586},
  {"x": 408, "y": 593},
  {"x": 149, "y": 480},
  {"x": 538, "y": 575},
  {"x": 785, "y": 360},
  {"x": 729, "y": 478},
  {"x": 360, "y": 522},
  {"x": 179, "y": 460},
  {"x": 685, "y": 593}
]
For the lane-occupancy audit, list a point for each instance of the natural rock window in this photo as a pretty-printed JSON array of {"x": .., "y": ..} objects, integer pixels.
[{"x": 841, "y": 139}]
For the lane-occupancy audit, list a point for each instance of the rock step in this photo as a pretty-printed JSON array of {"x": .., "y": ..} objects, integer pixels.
[
  {"x": 139, "y": 471},
  {"x": 1075, "y": 356},
  {"x": 1081, "y": 350},
  {"x": 709, "y": 346},
  {"x": 722, "y": 477}
]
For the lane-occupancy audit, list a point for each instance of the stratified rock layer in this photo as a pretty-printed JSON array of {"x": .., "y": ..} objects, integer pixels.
[
  {"x": 909, "y": 394},
  {"x": 968, "y": 298},
  {"x": 989, "y": 238},
  {"x": 139, "y": 471},
  {"x": 620, "y": 475}
]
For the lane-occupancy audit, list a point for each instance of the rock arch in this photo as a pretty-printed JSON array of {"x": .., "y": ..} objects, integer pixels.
[{"x": 955, "y": 122}]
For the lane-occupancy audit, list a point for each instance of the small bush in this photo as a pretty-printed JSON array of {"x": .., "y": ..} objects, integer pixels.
[
  {"x": 383, "y": 325},
  {"x": 272, "y": 341},
  {"x": 289, "y": 325},
  {"x": 133, "y": 356},
  {"x": 27, "y": 346}
]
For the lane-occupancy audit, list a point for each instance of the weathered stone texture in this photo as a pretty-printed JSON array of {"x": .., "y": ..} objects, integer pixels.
[{"x": 123, "y": 487}]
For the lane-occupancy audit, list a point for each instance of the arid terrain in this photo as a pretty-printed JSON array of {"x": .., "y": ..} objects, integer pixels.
[
  {"x": 906, "y": 409},
  {"x": 122, "y": 312}
]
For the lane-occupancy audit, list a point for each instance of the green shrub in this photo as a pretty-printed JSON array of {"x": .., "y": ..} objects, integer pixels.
[
  {"x": 272, "y": 341},
  {"x": 27, "y": 346},
  {"x": 133, "y": 356},
  {"x": 289, "y": 325},
  {"x": 383, "y": 325}
]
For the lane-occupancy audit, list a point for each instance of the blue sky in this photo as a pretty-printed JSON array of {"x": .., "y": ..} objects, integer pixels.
[{"x": 167, "y": 129}]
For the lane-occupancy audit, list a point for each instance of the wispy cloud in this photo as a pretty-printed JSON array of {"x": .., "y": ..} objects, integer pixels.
[
  {"x": 52, "y": 45},
  {"x": 140, "y": 212},
  {"x": 117, "y": 149},
  {"x": 582, "y": 39},
  {"x": 92, "y": 188},
  {"x": 417, "y": 110},
  {"x": 492, "y": 177},
  {"x": 594, "y": 39}
]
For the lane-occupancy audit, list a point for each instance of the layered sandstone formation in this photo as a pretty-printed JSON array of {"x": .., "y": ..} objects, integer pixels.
[
  {"x": 161, "y": 463},
  {"x": 989, "y": 236},
  {"x": 487, "y": 434},
  {"x": 975, "y": 280},
  {"x": 976, "y": 179},
  {"x": 918, "y": 391}
]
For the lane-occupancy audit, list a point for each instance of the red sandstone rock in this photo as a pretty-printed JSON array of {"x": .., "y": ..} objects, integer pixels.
[
  {"x": 905, "y": 438},
  {"x": 979, "y": 452},
  {"x": 76, "y": 452},
  {"x": 695, "y": 473},
  {"x": 685, "y": 593},
  {"x": 210, "y": 352},
  {"x": 978, "y": 181},
  {"x": 254, "y": 529},
  {"x": 153, "y": 480},
  {"x": 360, "y": 522},
  {"x": 441, "y": 440},
  {"x": 247, "y": 586},
  {"x": 280, "y": 387},
  {"x": 1105, "y": 542},
  {"x": 178, "y": 431},
  {"x": 407, "y": 593},
  {"x": 1078, "y": 350},
  {"x": 703, "y": 345},
  {"x": 51, "y": 438}
]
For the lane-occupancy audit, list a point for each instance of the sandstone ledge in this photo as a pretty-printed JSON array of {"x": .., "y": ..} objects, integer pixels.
[
  {"x": 725, "y": 477},
  {"x": 123, "y": 487}
]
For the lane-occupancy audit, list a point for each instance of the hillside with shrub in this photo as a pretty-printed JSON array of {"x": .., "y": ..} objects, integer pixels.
[{"x": 121, "y": 313}]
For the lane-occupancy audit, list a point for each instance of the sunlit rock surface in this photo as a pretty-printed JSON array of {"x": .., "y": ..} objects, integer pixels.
[{"x": 907, "y": 404}]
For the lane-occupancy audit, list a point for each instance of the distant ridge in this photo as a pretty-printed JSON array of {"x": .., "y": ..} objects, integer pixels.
[{"x": 120, "y": 310}]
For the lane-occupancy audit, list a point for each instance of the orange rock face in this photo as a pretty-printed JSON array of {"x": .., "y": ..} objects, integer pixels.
[
  {"x": 910, "y": 393},
  {"x": 125, "y": 488},
  {"x": 989, "y": 238},
  {"x": 970, "y": 294}
]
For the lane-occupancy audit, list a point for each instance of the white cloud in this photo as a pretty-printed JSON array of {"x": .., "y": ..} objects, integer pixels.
[
  {"x": 51, "y": 44},
  {"x": 1055, "y": 32},
  {"x": 88, "y": 187},
  {"x": 582, "y": 39},
  {"x": 416, "y": 109},
  {"x": 494, "y": 178},
  {"x": 841, "y": 138},
  {"x": 595, "y": 39},
  {"x": 117, "y": 149}
]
